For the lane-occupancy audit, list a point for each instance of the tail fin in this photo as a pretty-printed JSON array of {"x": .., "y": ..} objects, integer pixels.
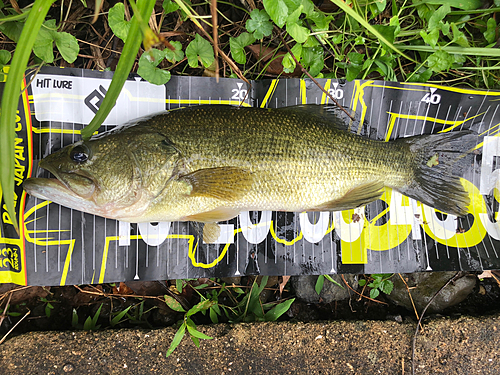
[{"x": 439, "y": 158}]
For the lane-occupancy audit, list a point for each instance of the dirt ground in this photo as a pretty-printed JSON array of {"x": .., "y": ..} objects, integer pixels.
[{"x": 462, "y": 345}]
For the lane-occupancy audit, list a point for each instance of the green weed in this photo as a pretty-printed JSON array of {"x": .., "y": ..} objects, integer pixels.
[{"x": 379, "y": 283}]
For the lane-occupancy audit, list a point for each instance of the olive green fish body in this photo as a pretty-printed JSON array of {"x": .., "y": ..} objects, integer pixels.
[{"x": 209, "y": 163}]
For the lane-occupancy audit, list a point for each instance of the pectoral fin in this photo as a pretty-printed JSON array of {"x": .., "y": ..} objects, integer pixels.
[
  {"x": 226, "y": 183},
  {"x": 356, "y": 197}
]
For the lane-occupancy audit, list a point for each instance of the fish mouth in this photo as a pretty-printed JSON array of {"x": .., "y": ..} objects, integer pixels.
[
  {"x": 53, "y": 189},
  {"x": 75, "y": 181},
  {"x": 45, "y": 188}
]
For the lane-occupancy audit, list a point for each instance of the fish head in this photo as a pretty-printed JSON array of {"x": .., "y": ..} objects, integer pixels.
[{"x": 97, "y": 176}]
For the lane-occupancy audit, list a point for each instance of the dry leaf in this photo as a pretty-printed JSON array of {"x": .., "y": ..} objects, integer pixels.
[
  {"x": 275, "y": 67},
  {"x": 284, "y": 280}
]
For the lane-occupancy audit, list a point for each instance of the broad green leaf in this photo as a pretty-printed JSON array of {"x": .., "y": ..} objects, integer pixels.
[
  {"x": 277, "y": 10},
  {"x": 65, "y": 43},
  {"x": 148, "y": 67},
  {"x": 362, "y": 282},
  {"x": 295, "y": 15},
  {"x": 459, "y": 37},
  {"x": 313, "y": 59},
  {"x": 259, "y": 24},
  {"x": 387, "y": 286},
  {"x": 4, "y": 57},
  {"x": 117, "y": 23},
  {"x": 439, "y": 61},
  {"x": 438, "y": 16},
  {"x": 238, "y": 47},
  {"x": 353, "y": 72},
  {"x": 321, "y": 21},
  {"x": 288, "y": 63},
  {"x": 179, "y": 285},
  {"x": 385, "y": 69},
  {"x": 458, "y": 60},
  {"x": 422, "y": 75},
  {"x": 169, "y": 6},
  {"x": 310, "y": 42},
  {"x": 431, "y": 38},
  {"x": 297, "y": 50},
  {"x": 374, "y": 293},
  {"x": 307, "y": 7},
  {"x": 174, "y": 56},
  {"x": 43, "y": 47},
  {"x": 201, "y": 306},
  {"x": 200, "y": 48},
  {"x": 387, "y": 31},
  {"x": 490, "y": 33},
  {"x": 460, "y": 4},
  {"x": 273, "y": 314},
  {"x": 297, "y": 32},
  {"x": 67, "y": 46},
  {"x": 12, "y": 30},
  {"x": 177, "y": 339},
  {"x": 381, "y": 4},
  {"x": 425, "y": 11},
  {"x": 359, "y": 40},
  {"x": 395, "y": 22},
  {"x": 319, "y": 284},
  {"x": 213, "y": 316},
  {"x": 356, "y": 58},
  {"x": 173, "y": 304}
]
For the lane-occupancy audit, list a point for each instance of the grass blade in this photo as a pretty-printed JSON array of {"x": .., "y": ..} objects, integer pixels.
[
  {"x": 273, "y": 314},
  {"x": 10, "y": 99},
  {"x": 177, "y": 339},
  {"x": 319, "y": 284},
  {"x": 123, "y": 68},
  {"x": 119, "y": 316},
  {"x": 351, "y": 12},
  {"x": 472, "y": 51}
]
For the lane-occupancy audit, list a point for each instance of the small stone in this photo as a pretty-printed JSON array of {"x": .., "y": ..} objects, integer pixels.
[
  {"x": 424, "y": 285},
  {"x": 304, "y": 288},
  {"x": 68, "y": 367}
]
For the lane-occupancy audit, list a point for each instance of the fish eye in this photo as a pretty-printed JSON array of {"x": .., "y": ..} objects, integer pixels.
[{"x": 79, "y": 154}]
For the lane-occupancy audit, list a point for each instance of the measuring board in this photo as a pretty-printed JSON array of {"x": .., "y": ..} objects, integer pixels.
[{"x": 60, "y": 246}]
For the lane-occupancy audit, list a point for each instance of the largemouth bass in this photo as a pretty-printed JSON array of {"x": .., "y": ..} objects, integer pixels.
[{"x": 209, "y": 163}]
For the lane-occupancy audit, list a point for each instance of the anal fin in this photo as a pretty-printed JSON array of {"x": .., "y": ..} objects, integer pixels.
[
  {"x": 356, "y": 197},
  {"x": 218, "y": 214}
]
